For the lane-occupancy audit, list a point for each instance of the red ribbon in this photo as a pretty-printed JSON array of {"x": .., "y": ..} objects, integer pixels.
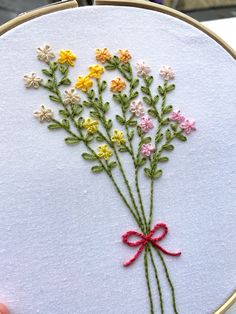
[{"x": 144, "y": 241}]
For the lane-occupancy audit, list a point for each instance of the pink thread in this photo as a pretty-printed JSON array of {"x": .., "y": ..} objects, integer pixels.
[
  {"x": 144, "y": 241},
  {"x": 188, "y": 126},
  {"x": 147, "y": 150},
  {"x": 177, "y": 116},
  {"x": 146, "y": 124}
]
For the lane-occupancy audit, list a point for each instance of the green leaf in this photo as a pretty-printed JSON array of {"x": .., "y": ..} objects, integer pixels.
[
  {"x": 86, "y": 104},
  {"x": 163, "y": 159},
  {"x": 54, "y": 98},
  {"x": 47, "y": 72},
  {"x": 168, "y": 135},
  {"x": 170, "y": 87},
  {"x": 65, "y": 81},
  {"x": 66, "y": 123},
  {"x": 97, "y": 169},
  {"x": 106, "y": 107},
  {"x": 120, "y": 120},
  {"x": 157, "y": 174},
  {"x": 72, "y": 140},
  {"x": 146, "y": 140},
  {"x": 149, "y": 80},
  {"x": 181, "y": 137},
  {"x": 76, "y": 109},
  {"x": 147, "y": 100},
  {"x": 167, "y": 109},
  {"x": 168, "y": 147},
  {"x": 80, "y": 122},
  {"x": 159, "y": 138},
  {"x": 109, "y": 124},
  {"x": 63, "y": 68},
  {"x": 90, "y": 94},
  {"x": 63, "y": 113},
  {"x": 122, "y": 149},
  {"x": 133, "y": 95},
  {"x": 103, "y": 86},
  {"x": 54, "y": 126},
  {"x": 155, "y": 99},
  {"x": 110, "y": 67},
  {"x": 117, "y": 98},
  {"x": 152, "y": 112},
  {"x": 132, "y": 123},
  {"x": 53, "y": 66},
  {"x": 131, "y": 135},
  {"x": 88, "y": 156},
  {"x": 145, "y": 90},
  {"x": 89, "y": 138},
  {"x": 165, "y": 121},
  {"x": 174, "y": 127},
  {"x": 139, "y": 131},
  {"x": 115, "y": 60},
  {"x": 94, "y": 114},
  {"x": 134, "y": 83},
  {"x": 142, "y": 162},
  {"x": 148, "y": 173},
  {"x": 99, "y": 138},
  {"x": 161, "y": 90},
  {"x": 112, "y": 164},
  {"x": 125, "y": 67}
]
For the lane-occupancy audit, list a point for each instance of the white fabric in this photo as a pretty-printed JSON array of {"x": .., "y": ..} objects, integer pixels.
[{"x": 60, "y": 225}]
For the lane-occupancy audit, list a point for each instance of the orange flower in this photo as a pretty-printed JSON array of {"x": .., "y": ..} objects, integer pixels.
[
  {"x": 103, "y": 55},
  {"x": 66, "y": 56},
  {"x": 117, "y": 85},
  {"x": 124, "y": 56}
]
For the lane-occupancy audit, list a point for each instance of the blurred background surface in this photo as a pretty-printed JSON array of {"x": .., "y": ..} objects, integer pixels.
[{"x": 201, "y": 10}]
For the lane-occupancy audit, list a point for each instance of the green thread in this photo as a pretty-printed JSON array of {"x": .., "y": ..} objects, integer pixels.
[{"x": 148, "y": 281}]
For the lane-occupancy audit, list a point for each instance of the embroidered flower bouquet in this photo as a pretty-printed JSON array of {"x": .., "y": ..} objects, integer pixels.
[{"x": 148, "y": 129}]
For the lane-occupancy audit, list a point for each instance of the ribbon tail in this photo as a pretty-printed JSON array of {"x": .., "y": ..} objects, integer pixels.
[
  {"x": 165, "y": 251},
  {"x": 129, "y": 262}
]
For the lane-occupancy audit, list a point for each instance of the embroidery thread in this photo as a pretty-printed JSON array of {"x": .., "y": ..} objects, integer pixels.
[{"x": 144, "y": 118}]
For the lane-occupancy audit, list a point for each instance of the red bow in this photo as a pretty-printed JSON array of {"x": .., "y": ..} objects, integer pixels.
[{"x": 144, "y": 241}]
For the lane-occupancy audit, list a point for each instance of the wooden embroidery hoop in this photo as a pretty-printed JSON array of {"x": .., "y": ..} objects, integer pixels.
[{"x": 68, "y": 4}]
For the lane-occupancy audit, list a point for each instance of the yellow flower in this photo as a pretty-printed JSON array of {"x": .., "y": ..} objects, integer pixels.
[
  {"x": 104, "y": 152},
  {"x": 67, "y": 56},
  {"x": 96, "y": 71},
  {"x": 103, "y": 55},
  {"x": 118, "y": 137},
  {"x": 90, "y": 125},
  {"x": 124, "y": 56},
  {"x": 84, "y": 83},
  {"x": 117, "y": 85}
]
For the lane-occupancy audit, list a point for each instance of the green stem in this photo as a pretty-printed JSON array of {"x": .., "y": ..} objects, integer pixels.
[{"x": 148, "y": 281}]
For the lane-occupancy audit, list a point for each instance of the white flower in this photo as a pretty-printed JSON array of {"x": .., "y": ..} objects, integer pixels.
[
  {"x": 45, "y": 53},
  {"x": 44, "y": 114},
  {"x": 136, "y": 107},
  {"x": 167, "y": 73},
  {"x": 31, "y": 80},
  {"x": 143, "y": 69},
  {"x": 71, "y": 97}
]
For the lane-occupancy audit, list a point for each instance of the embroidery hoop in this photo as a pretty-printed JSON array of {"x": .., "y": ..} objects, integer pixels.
[{"x": 133, "y": 3}]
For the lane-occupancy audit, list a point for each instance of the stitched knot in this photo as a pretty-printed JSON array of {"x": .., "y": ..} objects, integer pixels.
[{"x": 144, "y": 240}]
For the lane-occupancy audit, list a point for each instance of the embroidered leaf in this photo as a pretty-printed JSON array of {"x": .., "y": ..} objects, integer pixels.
[
  {"x": 122, "y": 149},
  {"x": 170, "y": 87},
  {"x": 106, "y": 107},
  {"x": 80, "y": 122},
  {"x": 47, "y": 72},
  {"x": 90, "y": 94},
  {"x": 126, "y": 67},
  {"x": 165, "y": 121},
  {"x": 54, "y": 98},
  {"x": 167, "y": 109},
  {"x": 146, "y": 140},
  {"x": 103, "y": 86},
  {"x": 155, "y": 99},
  {"x": 132, "y": 123},
  {"x": 159, "y": 138},
  {"x": 148, "y": 173},
  {"x": 97, "y": 169},
  {"x": 163, "y": 159},
  {"x": 149, "y": 80},
  {"x": 76, "y": 109},
  {"x": 157, "y": 174},
  {"x": 66, "y": 123},
  {"x": 99, "y": 138},
  {"x": 142, "y": 162},
  {"x": 152, "y": 112},
  {"x": 134, "y": 83},
  {"x": 168, "y": 147},
  {"x": 133, "y": 95},
  {"x": 89, "y": 138},
  {"x": 87, "y": 104},
  {"x": 63, "y": 113},
  {"x": 65, "y": 81},
  {"x": 63, "y": 68},
  {"x": 168, "y": 135},
  {"x": 88, "y": 156},
  {"x": 131, "y": 135},
  {"x": 72, "y": 140},
  {"x": 161, "y": 90},
  {"x": 54, "y": 126},
  {"x": 110, "y": 67},
  {"x": 145, "y": 90},
  {"x": 139, "y": 131},
  {"x": 181, "y": 137},
  {"x": 112, "y": 164},
  {"x": 174, "y": 127},
  {"x": 117, "y": 98},
  {"x": 53, "y": 66},
  {"x": 120, "y": 119},
  {"x": 116, "y": 60},
  {"x": 94, "y": 114},
  {"x": 109, "y": 124},
  {"x": 147, "y": 100}
]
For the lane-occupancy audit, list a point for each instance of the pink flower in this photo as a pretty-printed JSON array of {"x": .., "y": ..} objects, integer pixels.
[
  {"x": 143, "y": 69},
  {"x": 136, "y": 107},
  {"x": 188, "y": 126},
  {"x": 147, "y": 150},
  {"x": 177, "y": 116},
  {"x": 167, "y": 73},
  {"x": 146, "y": 124}
]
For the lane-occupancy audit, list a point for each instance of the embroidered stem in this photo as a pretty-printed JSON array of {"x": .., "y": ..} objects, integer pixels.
[
  {"x": 157, "y": 280},
  {"x": 148, "y": 281}
]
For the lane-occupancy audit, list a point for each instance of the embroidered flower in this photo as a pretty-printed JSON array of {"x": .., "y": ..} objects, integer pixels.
[
  {"x": 146, "y": 124},
  {"x": 177, "y": 116},
  {"x": 44, "y": 114},
  {"x": 143, "y": 69},
  {"x": 31, "y": 80},
  {"x": 147, "y": 150},
  {"x": 117, "y": 85},
  {"x": 45, "y": 53},
  {"x": 103, "y": 55},
  {"x": 84, "y": 83},
  {"x": 96, "y": 71},
  {"x": 66, "y": 56},
  {"x": 90, "y": 125},
  {"x": 124, "y": 55},
  {"x": 118, "y": 137},
  {"x": 136, "y": 107},
  {"x": 188, "y": 126},
  {"x": 71, "y": 97},
  {"x": 167, "y": 73},
  {"x": 104, "y": 152}
]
